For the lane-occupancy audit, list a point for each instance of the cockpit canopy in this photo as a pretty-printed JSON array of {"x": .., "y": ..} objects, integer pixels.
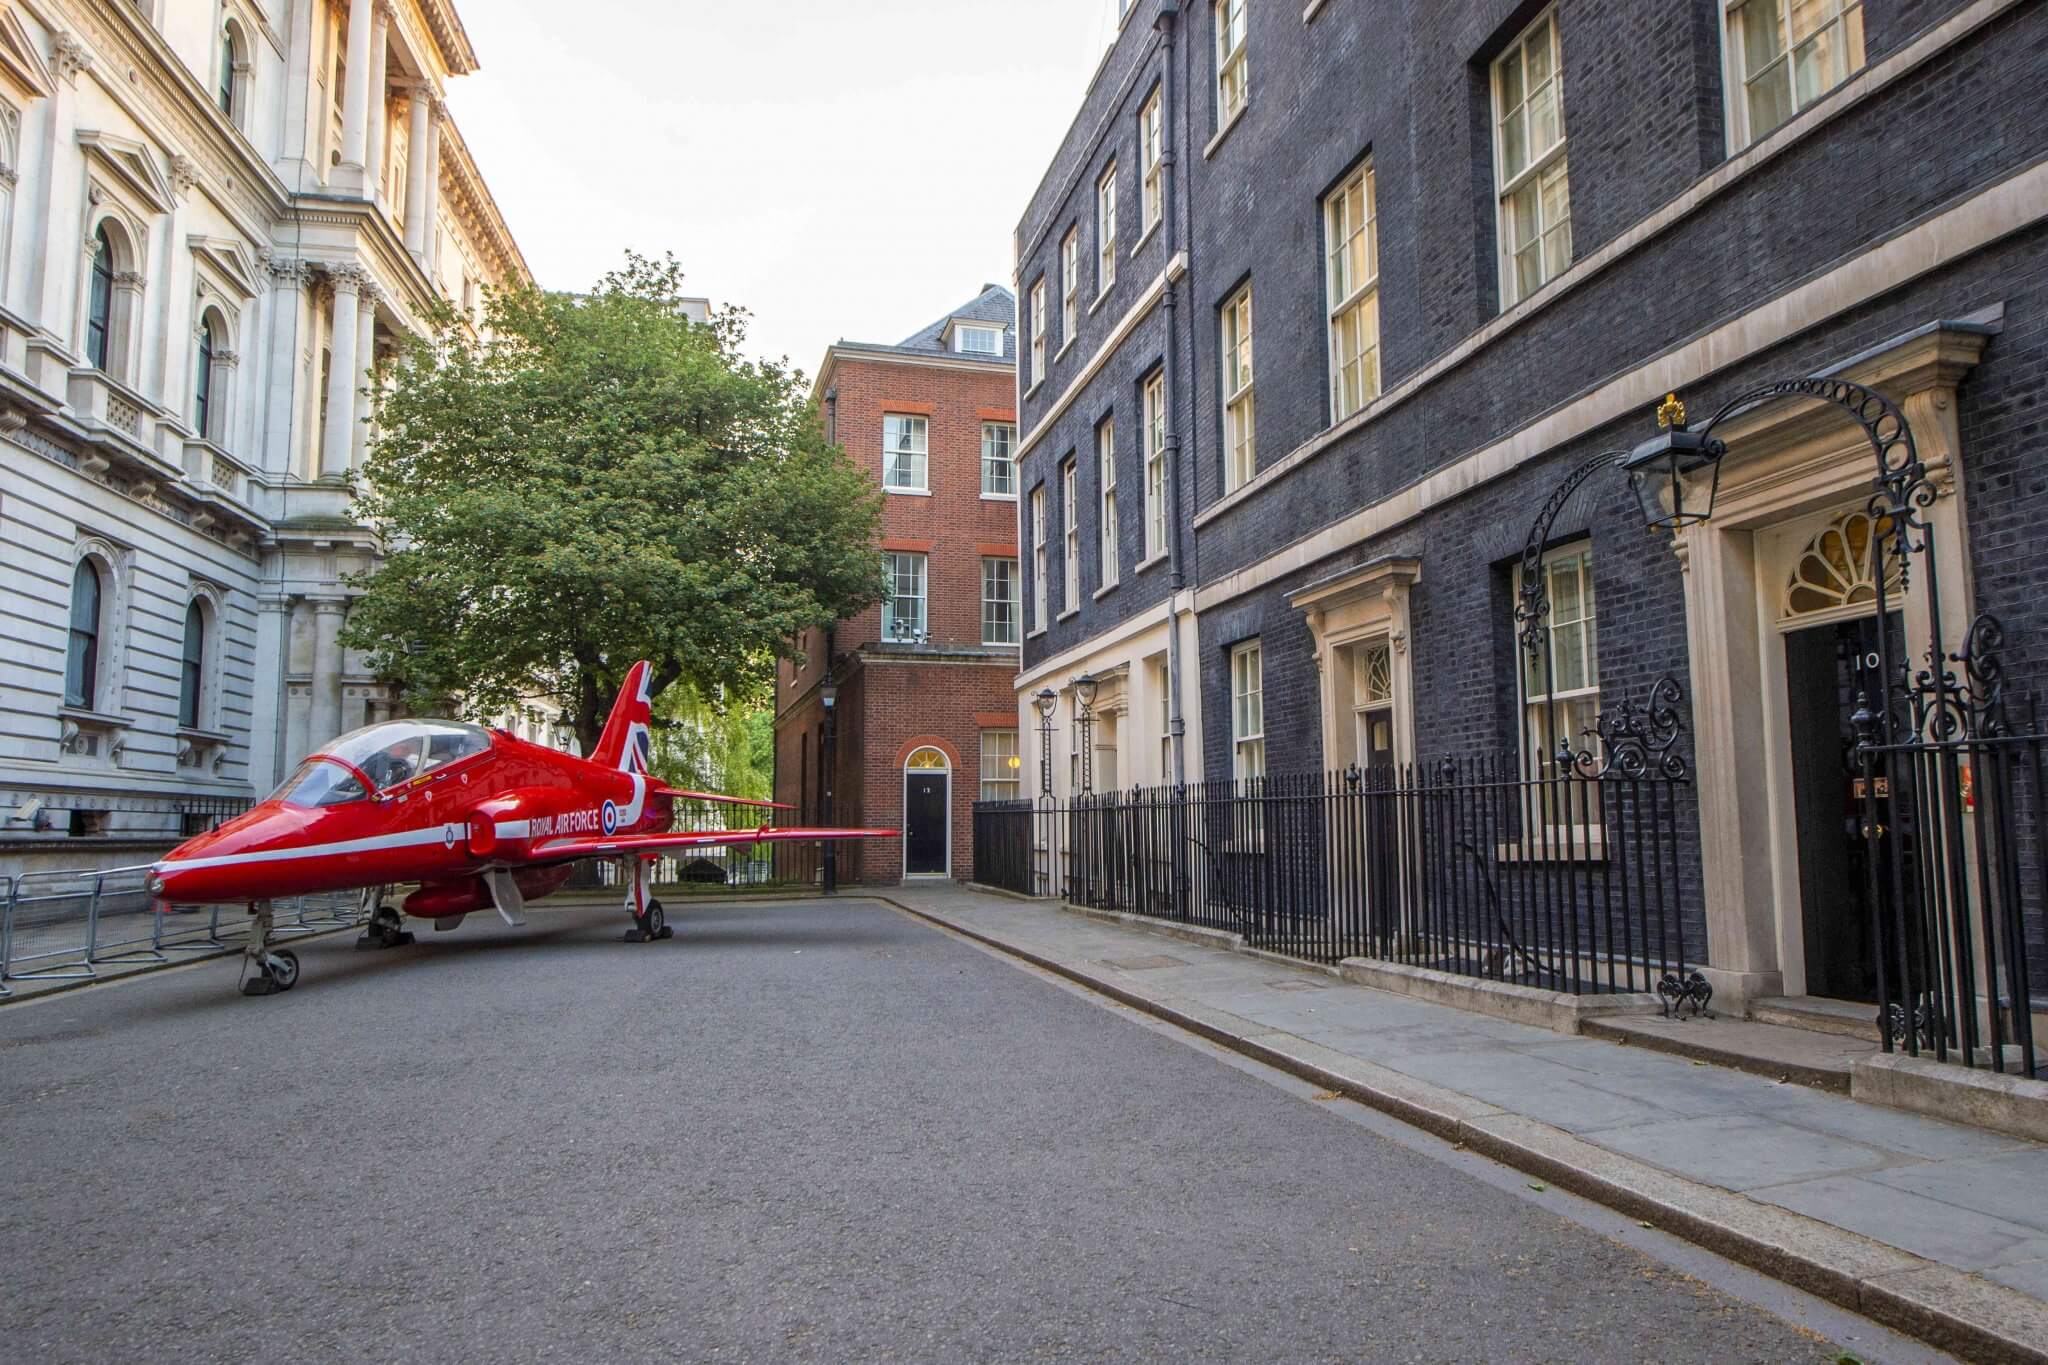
[{"x": 388, "y": 755}]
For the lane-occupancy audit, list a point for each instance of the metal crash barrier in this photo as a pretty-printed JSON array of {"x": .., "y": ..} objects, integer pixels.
[{"x": 60, "y": 926}]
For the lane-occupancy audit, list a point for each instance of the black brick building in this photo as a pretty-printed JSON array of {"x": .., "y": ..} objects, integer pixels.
[{"x": 1714, "y": 205}]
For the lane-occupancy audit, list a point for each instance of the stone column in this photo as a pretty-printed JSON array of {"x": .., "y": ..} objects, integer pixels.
[
  {"x": 380, "y": 52},
  {"x": 225, "y": 399},
  {"x": 431, "y": 209},
  {"x": 355, "y": 97},
  {"x": 421, "y": 131},
  {"x": 267, "y": 709},
  {"x": 171, "y": 381},
  {"x": 325, "y": 718},
  {"x": 47, "y": 278},
  {"x": 337, "y": 442},
  {"x": 366, "y": 359},
  {"x": 282, "y": 344}
]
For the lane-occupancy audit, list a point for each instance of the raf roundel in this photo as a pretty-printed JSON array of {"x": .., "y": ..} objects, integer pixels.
[{"x": 611, "y": 818}]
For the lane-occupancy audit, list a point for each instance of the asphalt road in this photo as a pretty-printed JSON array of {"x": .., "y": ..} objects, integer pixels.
[{"x": 796, "y": 1131}]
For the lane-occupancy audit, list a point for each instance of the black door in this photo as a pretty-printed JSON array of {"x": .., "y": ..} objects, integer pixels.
[
  {"x": 924, "y": 820},
  {"x": 1826, "y": 669}
]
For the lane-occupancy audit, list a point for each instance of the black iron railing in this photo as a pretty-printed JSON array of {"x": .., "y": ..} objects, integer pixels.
[
  {"x": 1003, "y": 845},
  {"x": 1577, "y": 880}
]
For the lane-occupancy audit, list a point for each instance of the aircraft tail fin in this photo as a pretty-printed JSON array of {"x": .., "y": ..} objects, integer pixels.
[{"x": 627, "y": 741}]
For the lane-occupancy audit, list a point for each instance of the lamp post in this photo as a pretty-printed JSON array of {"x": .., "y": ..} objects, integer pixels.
[
  {"x": 1084, "y": 726},
  {"x": 828, "y": 697},
  {"x": 1045, "y": 703}
]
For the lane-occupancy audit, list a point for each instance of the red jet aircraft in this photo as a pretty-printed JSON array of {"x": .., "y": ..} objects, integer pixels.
[{"x": 480, "y": 819}]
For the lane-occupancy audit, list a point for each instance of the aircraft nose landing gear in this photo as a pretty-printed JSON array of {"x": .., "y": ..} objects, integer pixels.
[
  {"x": 650, "y": 926},
  {"x": 275, "y": 969}
]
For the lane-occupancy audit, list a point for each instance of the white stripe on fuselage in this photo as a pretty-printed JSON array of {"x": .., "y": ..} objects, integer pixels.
[{"x": 411, "y": 838}]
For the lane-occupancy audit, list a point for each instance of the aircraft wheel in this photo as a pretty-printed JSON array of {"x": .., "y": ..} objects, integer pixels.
[
  {"x": 657, "y": 922},
  {"x": 282, "y": 967}
]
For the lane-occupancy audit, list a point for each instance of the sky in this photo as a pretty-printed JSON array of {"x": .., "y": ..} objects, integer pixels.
[{"x": 842, "y": 168}]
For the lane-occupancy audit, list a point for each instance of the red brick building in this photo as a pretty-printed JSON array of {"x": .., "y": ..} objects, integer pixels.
[{"x": 926, "y": 719}]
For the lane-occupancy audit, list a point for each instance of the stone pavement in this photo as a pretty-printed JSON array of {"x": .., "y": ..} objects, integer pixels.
[{"x": 1937, "y": 1229}]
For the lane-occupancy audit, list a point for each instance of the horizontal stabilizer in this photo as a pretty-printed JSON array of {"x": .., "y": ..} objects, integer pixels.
[{"x": 619, "y": 845}]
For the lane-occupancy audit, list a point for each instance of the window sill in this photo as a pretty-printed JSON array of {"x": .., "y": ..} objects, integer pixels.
[
  {"x": 1152, "y": 562},
  {"x": 1105, "y": 590},
  {"x": 999, "y": 644},
  {"x": 908, "y": 492},
  {"x": 1146, "y": 236},
  {"x": 1224, "y": 131},
  {"x": 1036, "y": 385},
  {"x": 1577, "y": 844},
  {"x": 1061, "y": 353},
  {"x": 1313, "y": 8},
  {"x": 1034, "y": 634},
  {"x": 998, "y": 497},
  {"x": 85, "y": 715},
  {"x": 1070, "y": 611},
  {"x": 1101, "y": 298}
]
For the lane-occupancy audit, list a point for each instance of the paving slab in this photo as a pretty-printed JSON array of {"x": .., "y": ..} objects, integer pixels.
[{"x": 1929, "y": 1225}]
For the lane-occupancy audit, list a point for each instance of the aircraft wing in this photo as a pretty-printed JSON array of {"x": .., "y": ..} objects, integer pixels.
[{"x": 573, "y": 846}]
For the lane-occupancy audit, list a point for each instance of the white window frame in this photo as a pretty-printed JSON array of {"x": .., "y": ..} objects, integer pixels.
[
  {"x": 894, "y": 564},
  {"x": 1542, "y": 167},
  {"x": 1071, "y": 601},
  {"x": 1247, "y": 711},
  {"x": 1353, "y": 303},
  {"x": 1233, "y": 60},
  {"x": 998, "y": 757},
  {"x": 1003, "y": 581},
  {"x": 1151, "y": 164},
  {"x": 1038, "y": 558},
  {"x": 1153, "y": 404},
  {"x": 1038, "y": 332},
  {"x": 1577, "y": 706},
  {"x": 999, "y": 460},
  {"x": 1846, "y": 23},
  {"x": 917, "y": 469},
  {"x": 1163, "y": 679},
  {"x": 1105, "y": 231},
  {"x": 1240, "y": 446},
  {"x": 1105, "y": 446},
  {"x": 962, "y": 330},
  {"x": 1070, "y": 286}
]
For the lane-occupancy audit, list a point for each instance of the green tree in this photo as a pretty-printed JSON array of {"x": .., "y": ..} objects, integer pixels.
[
  {"x": 724, "y": 744},
  {"x": 588, "y": 480}
]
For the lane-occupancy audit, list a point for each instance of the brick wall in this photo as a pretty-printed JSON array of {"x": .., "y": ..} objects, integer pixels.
[{"x": 893, "y": 695}]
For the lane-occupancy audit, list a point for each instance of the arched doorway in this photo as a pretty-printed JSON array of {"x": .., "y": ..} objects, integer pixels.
[{"x": 927, "y": 813}]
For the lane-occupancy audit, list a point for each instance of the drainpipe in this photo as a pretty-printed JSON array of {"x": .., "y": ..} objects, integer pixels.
[{"x": 1169, "y": 12}]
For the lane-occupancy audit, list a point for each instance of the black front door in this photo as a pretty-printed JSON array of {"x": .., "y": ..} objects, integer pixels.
[
  {"x": 1826, "y": 669},
  {"x": 924, "y": 820}
]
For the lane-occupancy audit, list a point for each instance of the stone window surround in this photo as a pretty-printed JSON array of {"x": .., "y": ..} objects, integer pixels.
[
  {"x": 1788, "y": 462},
  {"x": 104, "y": 712}
]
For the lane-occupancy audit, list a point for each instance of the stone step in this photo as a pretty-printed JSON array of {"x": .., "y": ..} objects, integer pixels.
[
  {"x": 1801, "y": 1056},
  {"x": 1816, "y": 1014}
]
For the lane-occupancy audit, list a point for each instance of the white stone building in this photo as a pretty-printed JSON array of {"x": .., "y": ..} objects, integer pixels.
[{"x": 216, "y": 217}]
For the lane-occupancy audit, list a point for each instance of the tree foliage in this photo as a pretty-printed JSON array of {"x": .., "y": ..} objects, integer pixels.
[
  {"x": 588, "y": 480},
  {"x": 725, "y": 744}
]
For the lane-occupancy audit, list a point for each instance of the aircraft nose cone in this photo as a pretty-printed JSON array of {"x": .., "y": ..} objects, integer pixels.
[{"x": 192, "y": 872}]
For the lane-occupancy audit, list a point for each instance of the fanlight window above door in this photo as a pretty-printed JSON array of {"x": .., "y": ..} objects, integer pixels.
[{"x": 1838, "y": 567}]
